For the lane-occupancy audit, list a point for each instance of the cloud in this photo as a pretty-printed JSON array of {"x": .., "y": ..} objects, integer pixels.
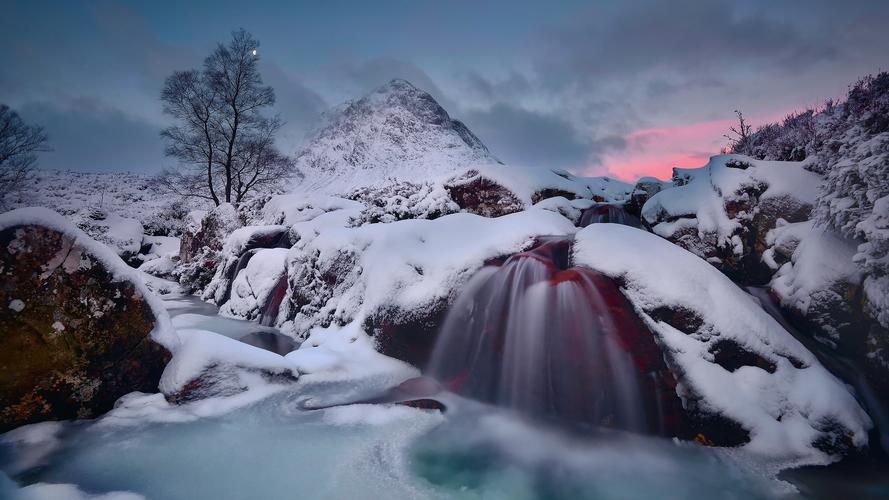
[
  {"x": 299, "y": 106},
  {"x": 524, "y": 137},
  {"x": 90, "y": 135},
  {"x": 678, "y": 37}
]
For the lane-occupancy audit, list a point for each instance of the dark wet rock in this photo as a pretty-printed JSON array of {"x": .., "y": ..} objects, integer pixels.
[
  {"x": 224, "y": 380},
  {"x": 712, "y": 429},
  {"x": 608, "y": 213},
  {"x": 683, "y": 319},
  {"x": 551, "y": 193},
  {"x": 479, "y": 195},
  {"x": 731, "y": 355},
  {"x": 74, "y": 337},
  {"x": 644, "y": 189}
]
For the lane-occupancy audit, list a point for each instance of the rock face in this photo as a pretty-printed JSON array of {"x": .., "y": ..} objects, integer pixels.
[
  {"x": 75, "y": 335},
  {"x": 201, "y": 243},
  {"x": 207, "y": 230}
]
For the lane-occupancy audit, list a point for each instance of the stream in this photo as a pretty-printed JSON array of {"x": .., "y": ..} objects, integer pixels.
[{"x": 277, "y": 449}]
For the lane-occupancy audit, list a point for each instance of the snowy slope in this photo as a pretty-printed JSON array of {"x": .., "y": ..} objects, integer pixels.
[{"x": 78, "y": 195}]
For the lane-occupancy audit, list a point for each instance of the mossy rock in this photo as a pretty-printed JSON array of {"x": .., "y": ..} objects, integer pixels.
[{"x": 73, "y": 337}]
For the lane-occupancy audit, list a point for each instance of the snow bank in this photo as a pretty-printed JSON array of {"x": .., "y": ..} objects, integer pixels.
[
  {"x": 289, "y": 209},
  {"x": 202, "y": 350},
  {"x": 163, "y": 332},
  {"x": 784, "y": 411},
  {"x": 346, "y": 358}
]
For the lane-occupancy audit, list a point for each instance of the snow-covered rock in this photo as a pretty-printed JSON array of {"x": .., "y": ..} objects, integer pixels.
[
  {"x": 239, "y": 247},
  {"x": 254, "y": 287},
  {"x": 80, "y": 328},
  {"x": 208, "y": 365},
  {"x": 731, "y": 359},
  {"x": 723, "y": 211}
]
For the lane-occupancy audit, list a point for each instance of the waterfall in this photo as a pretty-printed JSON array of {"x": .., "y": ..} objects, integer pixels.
[
  {"x": 606, "y": 212},
  {"x": 539, "y": 336}
]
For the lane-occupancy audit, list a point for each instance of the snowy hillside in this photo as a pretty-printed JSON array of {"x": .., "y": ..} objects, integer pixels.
[
  {"x": 78, "y": 195},
  {"x": 397, "y": 131}
]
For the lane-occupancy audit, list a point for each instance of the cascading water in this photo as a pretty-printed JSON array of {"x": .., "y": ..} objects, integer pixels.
[
  {"x": 547, "y": 339},
  {"x": 606, "y": 212}
]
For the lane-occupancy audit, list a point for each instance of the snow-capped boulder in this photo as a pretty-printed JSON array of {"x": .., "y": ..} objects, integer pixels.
[
  {"x": 723, "y": 211},
  {"x": 208, "y": 365},
  {"x": 733, "y": 361},
  {"x": 239, "y": 248},
  {"x": 79, "y": 328},
  {"x": 480, "y": 195},
  {"x": 258, "y": 286}
]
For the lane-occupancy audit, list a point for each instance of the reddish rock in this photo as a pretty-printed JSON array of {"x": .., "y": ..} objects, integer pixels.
[{"x": 481, "y": 196}]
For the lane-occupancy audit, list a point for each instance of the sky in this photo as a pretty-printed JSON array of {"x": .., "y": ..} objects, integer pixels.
[{"x": 620, "y": 88}]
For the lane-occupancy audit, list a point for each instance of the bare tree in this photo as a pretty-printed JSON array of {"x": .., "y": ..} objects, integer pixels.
[
  {"x": 259, "y": 164},
  {"x": 222, "y": 133},
  {"x": 19, "y": 145},
  {"x": 739, "y": 136},
  {"x": 188, "y": 98}
]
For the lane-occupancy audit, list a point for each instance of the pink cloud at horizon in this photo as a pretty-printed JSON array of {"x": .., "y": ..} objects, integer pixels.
[{"x": 656, "y": 151}]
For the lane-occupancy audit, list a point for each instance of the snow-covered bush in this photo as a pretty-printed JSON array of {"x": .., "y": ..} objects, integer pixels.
[
  {"x": 848, "y": 143},
  {"x": 399, "y": 200}
]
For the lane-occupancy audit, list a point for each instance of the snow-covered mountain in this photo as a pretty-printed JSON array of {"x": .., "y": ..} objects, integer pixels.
[{"x": 396, "y": 132}]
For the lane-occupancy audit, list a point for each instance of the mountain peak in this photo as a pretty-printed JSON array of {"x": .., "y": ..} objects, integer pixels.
[{"x": 396, "y": 131}]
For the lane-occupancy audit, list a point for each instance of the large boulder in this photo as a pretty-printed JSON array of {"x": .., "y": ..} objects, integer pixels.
[
  {"x": 239, "y": 247},
  {"x": 738, "y": 370},
  {"x": 78, "y": 329}
]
